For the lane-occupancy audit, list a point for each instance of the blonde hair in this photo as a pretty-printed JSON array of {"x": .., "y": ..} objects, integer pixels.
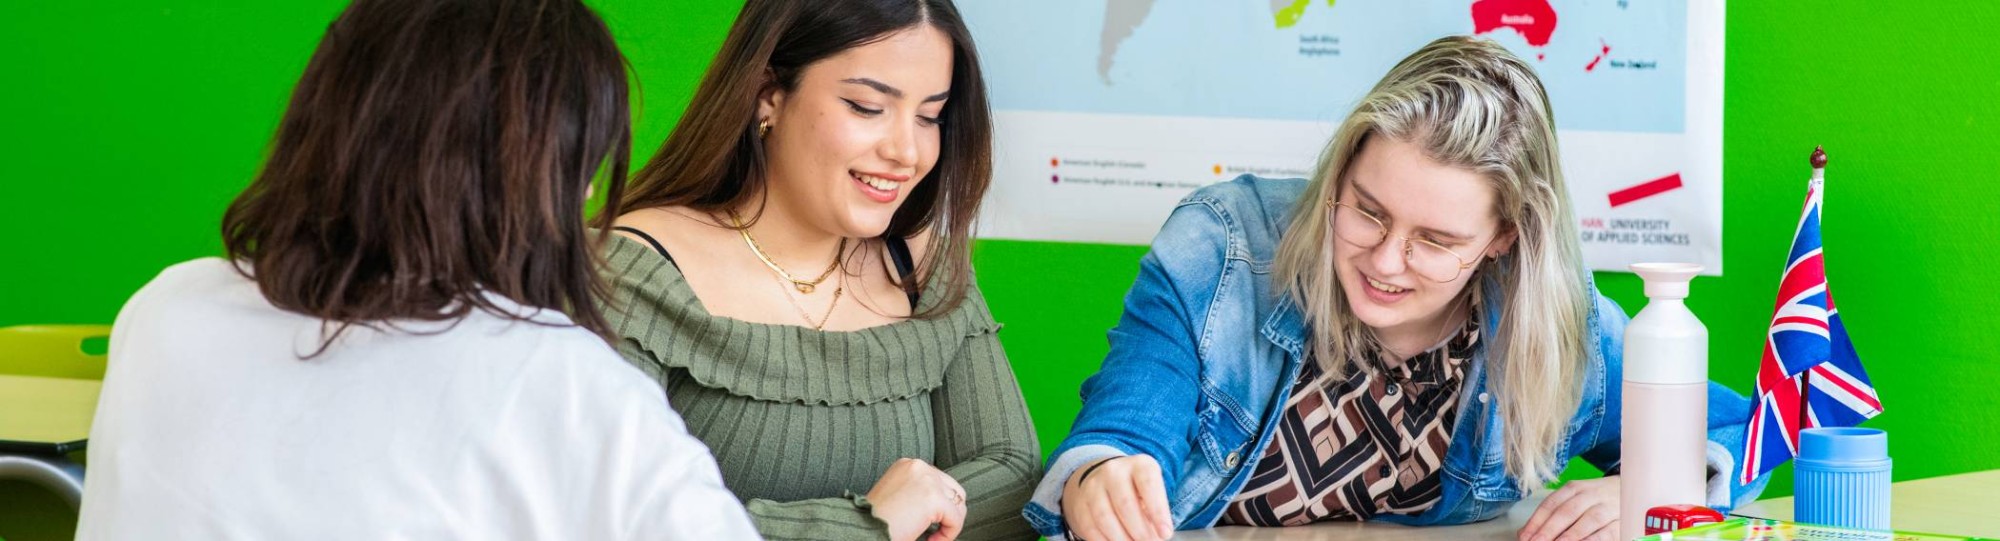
[{"x": 1468, "y": 103}]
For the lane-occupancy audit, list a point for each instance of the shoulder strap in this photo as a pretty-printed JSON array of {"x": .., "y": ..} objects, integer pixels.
[
  {"x": 649, "y": 240},
  {"x": 899, "y": 254}
]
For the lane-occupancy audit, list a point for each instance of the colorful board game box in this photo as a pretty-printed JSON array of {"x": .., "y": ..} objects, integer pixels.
[{"x": 1757, "y": 529}]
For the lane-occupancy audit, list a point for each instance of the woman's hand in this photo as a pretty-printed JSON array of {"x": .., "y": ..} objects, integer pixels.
[
  {"x": 1580, "y": 510},
  {"x": 912, "y": 495},
  {"x": 1121, "y": 499}
]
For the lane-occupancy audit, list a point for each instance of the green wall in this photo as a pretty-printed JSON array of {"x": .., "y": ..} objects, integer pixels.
[{"x": 127, "y": 127}]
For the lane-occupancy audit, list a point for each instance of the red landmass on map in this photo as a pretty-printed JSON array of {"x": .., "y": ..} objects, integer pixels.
[{"x": 1534, "y": 19}]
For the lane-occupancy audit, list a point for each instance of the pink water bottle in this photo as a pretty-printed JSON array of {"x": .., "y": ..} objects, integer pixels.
[{"x": 1663, "y": 446}]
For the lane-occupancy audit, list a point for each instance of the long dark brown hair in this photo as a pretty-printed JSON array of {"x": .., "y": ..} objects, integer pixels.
[
  {"x": 715, "y": 161},
  {"x": 436, "y": 151}
]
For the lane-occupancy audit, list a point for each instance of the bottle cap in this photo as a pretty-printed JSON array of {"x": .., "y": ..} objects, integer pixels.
[
  {"x": 1666, "y": 280},
  {"x": 1844, "y": 447}
]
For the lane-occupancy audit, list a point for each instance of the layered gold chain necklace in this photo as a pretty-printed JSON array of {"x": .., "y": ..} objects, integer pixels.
[{"x": 804, "y": 287}]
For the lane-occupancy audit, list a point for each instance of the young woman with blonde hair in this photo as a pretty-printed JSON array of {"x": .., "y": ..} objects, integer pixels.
[{"x": 1410, "y": 336}]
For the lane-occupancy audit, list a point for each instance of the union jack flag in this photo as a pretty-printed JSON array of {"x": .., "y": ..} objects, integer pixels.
[{"x": 1810, "y": 376}]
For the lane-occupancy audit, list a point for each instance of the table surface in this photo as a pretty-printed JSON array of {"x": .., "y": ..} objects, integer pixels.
[
  {"x": 1966, "y": 504},
  {"x": 1506, "y": 527},
  {"x": 51, "y": 411},
  {"x": 1955, "y": 505}
]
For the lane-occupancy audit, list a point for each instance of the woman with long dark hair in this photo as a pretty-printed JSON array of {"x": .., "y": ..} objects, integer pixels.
[
  {"x": 404, "y": 340},
  {"x": 792, "y": 267}
]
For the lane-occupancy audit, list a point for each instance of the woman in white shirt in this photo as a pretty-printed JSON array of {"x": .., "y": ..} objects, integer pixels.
[{"x": 402, "y": 342}]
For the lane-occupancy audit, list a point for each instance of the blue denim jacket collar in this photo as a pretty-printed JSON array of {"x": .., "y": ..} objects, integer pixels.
[{"x": 1286, "y": 328}]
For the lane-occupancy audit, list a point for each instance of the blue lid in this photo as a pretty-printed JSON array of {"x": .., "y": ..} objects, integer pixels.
[{"x": 1837, "y": 446}]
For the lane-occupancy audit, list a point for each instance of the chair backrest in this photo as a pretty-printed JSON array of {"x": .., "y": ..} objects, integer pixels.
[{"x": 54, "y": 351}]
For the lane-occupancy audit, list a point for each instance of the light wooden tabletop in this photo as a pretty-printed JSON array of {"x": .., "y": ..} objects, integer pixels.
[
  {"x": 40, "y": 410},
  {"x": 1504, "y": 528},
  {"x": 1966, "y": 504}
]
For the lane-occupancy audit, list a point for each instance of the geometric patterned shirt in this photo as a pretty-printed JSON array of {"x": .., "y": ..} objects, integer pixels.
[{"x": 1355, "y": 447}]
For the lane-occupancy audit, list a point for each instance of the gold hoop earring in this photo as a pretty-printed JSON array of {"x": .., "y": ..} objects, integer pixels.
[{"x": 763, "y": 129}]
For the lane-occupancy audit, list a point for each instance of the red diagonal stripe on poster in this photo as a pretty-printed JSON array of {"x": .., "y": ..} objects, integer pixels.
[{"x": 1650, "y": 188}]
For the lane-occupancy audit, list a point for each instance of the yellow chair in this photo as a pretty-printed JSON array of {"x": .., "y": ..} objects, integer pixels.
[
  {"x": 49, "y": 351},
  {"x": 54, "y": 351}
]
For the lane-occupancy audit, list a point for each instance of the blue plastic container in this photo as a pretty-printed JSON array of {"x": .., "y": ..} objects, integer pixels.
[{"x": 1841, "y": 478}]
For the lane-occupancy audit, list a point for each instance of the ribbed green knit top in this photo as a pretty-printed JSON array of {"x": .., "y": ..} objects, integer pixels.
[{"x": 803, "y": 422}]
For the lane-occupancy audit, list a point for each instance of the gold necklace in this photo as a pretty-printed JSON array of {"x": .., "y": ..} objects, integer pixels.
[
  {"x": 804, "y": 286},
  {"x": 823, "y": 318}
]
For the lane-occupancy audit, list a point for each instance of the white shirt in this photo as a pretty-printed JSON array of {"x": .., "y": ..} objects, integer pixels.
[{"x": 210, "y": 426}]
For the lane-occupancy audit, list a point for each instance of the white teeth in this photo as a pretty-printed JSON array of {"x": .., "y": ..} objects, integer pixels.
[
  {"x": 1385, "y": 287},
  {"x": 876, "y": 182}
]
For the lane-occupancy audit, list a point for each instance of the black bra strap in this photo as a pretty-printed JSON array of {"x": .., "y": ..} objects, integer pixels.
[
  {"x": 649, "y": 240},
  {"x": 899, "y": 254}
]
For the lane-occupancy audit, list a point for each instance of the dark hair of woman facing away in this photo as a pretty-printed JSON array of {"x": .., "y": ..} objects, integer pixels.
[
  {"x": 715, "y": 159},
  {"x": 435, "y": 151}
]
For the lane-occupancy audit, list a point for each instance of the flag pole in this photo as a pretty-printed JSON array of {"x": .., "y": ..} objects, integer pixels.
[
  {"x": 1818, "y": 161},
  {"x": 1817, "y": 183}
]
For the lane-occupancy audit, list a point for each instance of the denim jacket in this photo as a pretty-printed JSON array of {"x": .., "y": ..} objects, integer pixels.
[{"x": 1208, "y": 344}]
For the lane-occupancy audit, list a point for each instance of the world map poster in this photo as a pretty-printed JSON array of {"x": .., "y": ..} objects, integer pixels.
[{"x": 1109, "y": 112}]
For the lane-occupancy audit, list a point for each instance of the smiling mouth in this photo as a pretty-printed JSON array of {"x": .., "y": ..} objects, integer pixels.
[
  {"x": 1383, "y": 287},
  {"x": 875, "y": 182}
]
